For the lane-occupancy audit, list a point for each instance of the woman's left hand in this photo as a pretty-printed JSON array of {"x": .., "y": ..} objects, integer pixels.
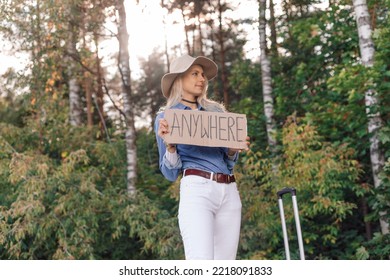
[{"x": 232, "y": 151}]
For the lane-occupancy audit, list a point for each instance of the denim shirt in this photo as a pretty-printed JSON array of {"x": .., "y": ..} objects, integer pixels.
[{"x": 211, "y": 159}]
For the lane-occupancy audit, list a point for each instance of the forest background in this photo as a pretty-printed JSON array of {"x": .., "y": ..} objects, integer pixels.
[{"x": 79, "y": 176}]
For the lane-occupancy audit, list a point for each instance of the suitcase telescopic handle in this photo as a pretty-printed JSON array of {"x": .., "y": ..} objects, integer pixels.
[
  {"x": 282, "y": 192},
  {"x": 297, "y": 222}
]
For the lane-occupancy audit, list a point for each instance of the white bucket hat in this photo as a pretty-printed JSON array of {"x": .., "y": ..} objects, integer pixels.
[{"x": 182, "y": 64}]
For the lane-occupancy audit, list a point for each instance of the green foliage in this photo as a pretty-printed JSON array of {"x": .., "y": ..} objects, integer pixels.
[
  {"x": 150, "y": 180},
  {"x": 325, "y": 177},
  {"x": 380, "y": 199},
  {"x": 316, "y": 44},
  {"x": 245, "y": 79},
  {"x": 376, "y": 249},
  {"x": 63, "y": 189},
  {"x": 11, "y": 108},
  {"x": 76, "y": 206}
]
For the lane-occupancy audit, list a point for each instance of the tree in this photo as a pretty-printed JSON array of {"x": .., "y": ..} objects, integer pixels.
[
  {"x": 272, "y": 25},
  {"x": 193, "y": 15},
  {"x": 147, "y": 89},
  {"x": 222, "y": 54},
  {"x": 124, "y": 70},
  {"x": 372, "y": 102},
  {"x": 323, "y": 175},
  {"x": 266, "y": 79},
  {"x": 75, "y": 105},
  {"x": 71, "y": 180}
]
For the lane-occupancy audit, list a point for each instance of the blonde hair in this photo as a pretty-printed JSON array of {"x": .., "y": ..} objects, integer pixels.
[{"x": 176, "y": 91}]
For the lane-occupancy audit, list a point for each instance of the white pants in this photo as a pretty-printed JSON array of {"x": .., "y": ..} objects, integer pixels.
[{"x": 209, "y": 218}]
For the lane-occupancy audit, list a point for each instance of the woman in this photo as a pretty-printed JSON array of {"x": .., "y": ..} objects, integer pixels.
[{"x": 210, "y": 206}]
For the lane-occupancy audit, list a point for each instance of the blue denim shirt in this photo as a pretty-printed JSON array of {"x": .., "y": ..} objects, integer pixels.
[{"x": 212, "y": 159}]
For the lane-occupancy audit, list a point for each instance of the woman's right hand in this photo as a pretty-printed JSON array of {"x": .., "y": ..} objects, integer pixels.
[{"x": 163, "y": 129}]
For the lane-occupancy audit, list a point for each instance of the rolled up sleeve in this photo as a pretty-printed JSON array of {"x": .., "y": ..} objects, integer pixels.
[{"x": 169, "y": 170}]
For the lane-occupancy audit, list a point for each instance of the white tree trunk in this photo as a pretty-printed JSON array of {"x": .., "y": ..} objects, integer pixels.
[
  {"x": 367, "y": 52},
  {"x": 75, "y": 105},
  {"x": 266, "y": 79},
  {"x": 124, "y": 69}
]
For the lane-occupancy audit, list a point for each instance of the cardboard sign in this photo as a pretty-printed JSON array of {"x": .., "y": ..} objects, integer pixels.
[{"x": 210, "y": 129}]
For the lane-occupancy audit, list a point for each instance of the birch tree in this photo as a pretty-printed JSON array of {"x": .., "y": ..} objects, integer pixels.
[
  {"x": 75, "y": 105},
  {"x": 124, "y": 69},
  {"x": 375, "y": 123},
  {"x": 266, "y": 79}
]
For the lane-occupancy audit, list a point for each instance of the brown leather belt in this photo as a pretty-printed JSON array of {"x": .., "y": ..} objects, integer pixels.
[{"x": 218, "y": 177}]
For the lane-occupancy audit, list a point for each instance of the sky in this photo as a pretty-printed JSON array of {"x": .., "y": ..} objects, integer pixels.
[{"x": 10, "y": 59}]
